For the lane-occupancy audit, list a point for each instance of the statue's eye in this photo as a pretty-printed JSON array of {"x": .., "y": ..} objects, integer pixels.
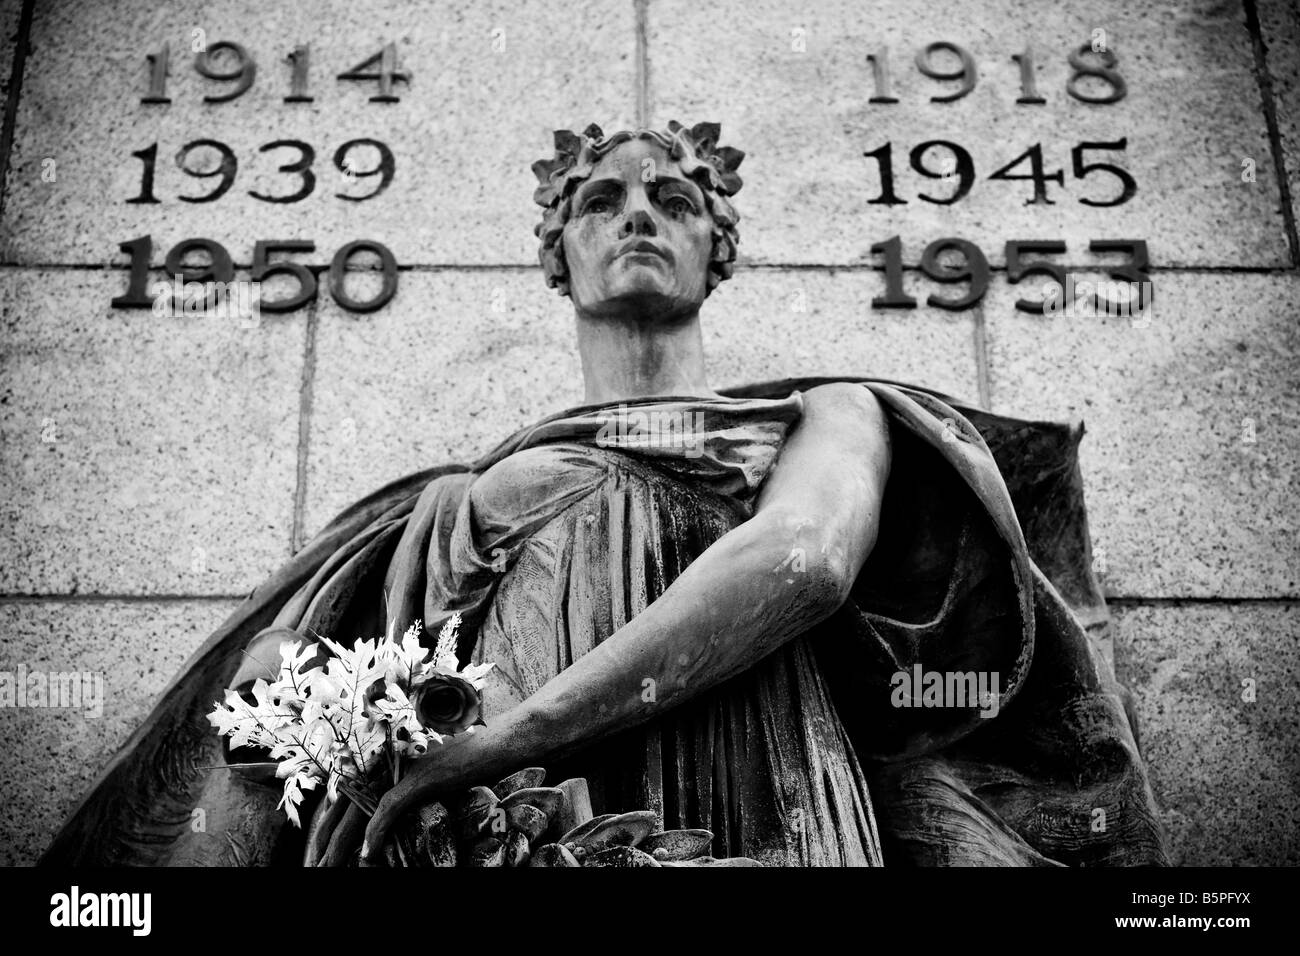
[
  {"x": 679, "y": 206},
  {"x": 598, "y": 205}
]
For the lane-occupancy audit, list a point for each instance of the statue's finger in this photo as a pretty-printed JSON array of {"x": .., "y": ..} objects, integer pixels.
[
  {"x": 419, "y": 782},
  {"x": 323, "y": 823},
  {"x": 347, "y": 835},
  {"x": 372, "y": 846}
]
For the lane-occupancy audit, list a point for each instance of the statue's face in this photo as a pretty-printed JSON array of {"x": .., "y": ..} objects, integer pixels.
[{"x": 639, "y": 237}]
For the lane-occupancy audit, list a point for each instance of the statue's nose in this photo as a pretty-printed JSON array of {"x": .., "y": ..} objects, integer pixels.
[{"x": 639, "y": 222}]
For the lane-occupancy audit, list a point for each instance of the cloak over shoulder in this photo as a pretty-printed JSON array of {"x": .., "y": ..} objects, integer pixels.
[{"x": 982, "y": 565}]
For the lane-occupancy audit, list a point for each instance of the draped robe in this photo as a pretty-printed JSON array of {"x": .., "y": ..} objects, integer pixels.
[{"x": 812, "y": 756}]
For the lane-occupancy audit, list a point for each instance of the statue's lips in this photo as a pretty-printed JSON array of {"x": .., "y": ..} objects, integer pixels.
[{"x": 644, "y": 248}]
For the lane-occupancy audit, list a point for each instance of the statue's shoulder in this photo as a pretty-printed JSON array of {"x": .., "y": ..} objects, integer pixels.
[
  {"x": 837, "y": 408},
  {"x": 843, "y": 395}
]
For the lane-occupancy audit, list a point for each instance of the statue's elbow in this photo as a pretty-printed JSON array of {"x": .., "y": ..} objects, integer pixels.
[
  {"x": 831, "y": 582},
  {"x": 827, "y": 580},
  {"x": 837, "y": 563}
]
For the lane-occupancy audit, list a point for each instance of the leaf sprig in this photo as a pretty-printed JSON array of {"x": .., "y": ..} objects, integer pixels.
[{"x": 338, "y": 722}]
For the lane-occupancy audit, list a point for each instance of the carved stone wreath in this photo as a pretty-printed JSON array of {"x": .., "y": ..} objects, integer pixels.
[{"x": 520, "y": 822}]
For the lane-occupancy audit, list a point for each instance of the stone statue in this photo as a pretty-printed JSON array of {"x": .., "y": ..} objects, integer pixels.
[{"x": 834, "y": 622}]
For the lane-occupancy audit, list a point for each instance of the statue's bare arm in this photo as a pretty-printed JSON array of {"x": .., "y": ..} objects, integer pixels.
[{"x": 787, "y": 568}]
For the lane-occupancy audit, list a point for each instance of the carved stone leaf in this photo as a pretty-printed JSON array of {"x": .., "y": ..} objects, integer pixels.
[
  {"x": 711, "y": 861},
  {"x": 624, "y": 829},
  {"x": 677, "y": 844},
  {"x": 621, "y": 856},
  {"x": 545, "y": 799},
  {"x": 489, "y": 852},
  {"x": 517, "y": 851},
  {"x": 528, "y": 820},
  {"x": 474, "y": 813},
  {"x": 582, "y": 829},
  {"x": 553, "y": 855},
  {"x": 575, "y": 808},
  {"x": 520, "y": 780},
  {"x": 436, "y": 845}
]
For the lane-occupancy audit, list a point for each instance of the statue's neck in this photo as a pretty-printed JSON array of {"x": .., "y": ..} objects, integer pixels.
[{"x": 625, "y": 359}]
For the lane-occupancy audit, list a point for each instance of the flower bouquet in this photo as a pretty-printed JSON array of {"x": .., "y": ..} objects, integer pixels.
[{"x": 354, "y": 721}]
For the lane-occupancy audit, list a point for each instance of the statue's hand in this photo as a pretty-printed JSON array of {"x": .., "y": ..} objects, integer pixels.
[
  {"x": 512, "y": 741},
  {"x": 431, "y": 775}
]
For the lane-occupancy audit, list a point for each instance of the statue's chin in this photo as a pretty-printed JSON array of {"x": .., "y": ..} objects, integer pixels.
[
  {"x": 659, "y": 309},
  {"x": 643, "y": 293}
]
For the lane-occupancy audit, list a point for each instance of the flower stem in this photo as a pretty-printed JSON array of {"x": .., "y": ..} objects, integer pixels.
[{"x": 359, "y": 797}]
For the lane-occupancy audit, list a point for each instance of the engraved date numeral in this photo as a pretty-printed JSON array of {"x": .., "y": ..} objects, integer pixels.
[
  {"x": 1091, "y": 67},
  {"x": 348, "y": 159},
  {"x": 220, "y": 268},
  {"x": 228, "y": 62},
  {"x": 951, "y": 260},
  {"x": 952, "y": 164}
]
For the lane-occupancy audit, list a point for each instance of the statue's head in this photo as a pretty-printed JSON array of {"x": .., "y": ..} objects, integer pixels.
[{"x": 639, "y": 216}]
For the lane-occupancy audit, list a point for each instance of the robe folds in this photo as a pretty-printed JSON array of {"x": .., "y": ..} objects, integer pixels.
[{"x": 958, "y": 709}]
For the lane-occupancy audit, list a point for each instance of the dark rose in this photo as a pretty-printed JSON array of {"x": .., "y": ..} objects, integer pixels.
[{"x": 447, "y": 705}]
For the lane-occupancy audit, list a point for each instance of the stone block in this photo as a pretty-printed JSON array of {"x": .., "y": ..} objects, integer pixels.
[
  {"x": 142, "y": 454},
  {"x": 1193, "y": 423},
  {"x": 53, "y": 753},
  {"x": 1222, "y": 752}
]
